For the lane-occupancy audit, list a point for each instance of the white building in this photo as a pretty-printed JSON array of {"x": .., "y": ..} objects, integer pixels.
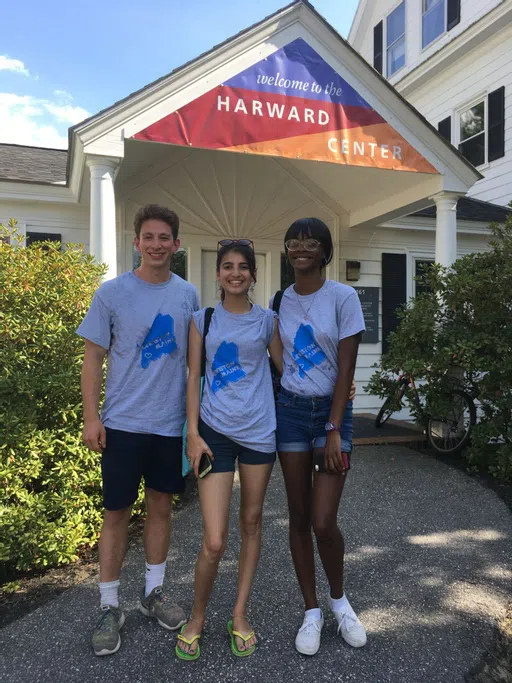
[{"x": 287, "y": 120}]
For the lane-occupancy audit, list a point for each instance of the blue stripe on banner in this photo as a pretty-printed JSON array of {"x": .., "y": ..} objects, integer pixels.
[{"x": 298, "y": 70}]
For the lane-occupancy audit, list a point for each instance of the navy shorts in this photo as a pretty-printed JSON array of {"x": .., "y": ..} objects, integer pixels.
[
  {"x": 225, "y": 451},
  {"x": 301, "y": 423},
  {"x": 128, "y": 457}
]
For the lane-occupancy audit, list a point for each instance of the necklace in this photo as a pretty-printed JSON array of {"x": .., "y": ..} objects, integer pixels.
[{"x": 306, "y": 312}]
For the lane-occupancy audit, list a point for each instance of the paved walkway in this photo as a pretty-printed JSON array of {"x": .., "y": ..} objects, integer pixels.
[{"x": 428, "y": 569}]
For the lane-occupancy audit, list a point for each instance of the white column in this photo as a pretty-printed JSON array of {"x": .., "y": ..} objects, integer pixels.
[
  {"x": 102, "y": 234},
  {"x": 446, "y": 227}
]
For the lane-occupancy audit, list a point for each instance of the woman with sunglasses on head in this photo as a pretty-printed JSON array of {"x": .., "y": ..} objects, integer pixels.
[
  {"x": 235, "y": 419},
  {"x": 320, "y": 324}
]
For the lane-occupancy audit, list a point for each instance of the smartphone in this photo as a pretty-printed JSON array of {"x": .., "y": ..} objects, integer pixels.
[
  {"x": 205, "y": 465},
  {"x": 319, "y": 461}
]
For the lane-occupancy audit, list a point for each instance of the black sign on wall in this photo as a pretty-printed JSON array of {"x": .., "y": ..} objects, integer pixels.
[{"x": 369, "y": 298}]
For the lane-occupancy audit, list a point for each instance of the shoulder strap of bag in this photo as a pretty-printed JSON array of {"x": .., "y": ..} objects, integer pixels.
[
  {"x": 276, "y": 304},
  {"x": 207, "y": 320}
]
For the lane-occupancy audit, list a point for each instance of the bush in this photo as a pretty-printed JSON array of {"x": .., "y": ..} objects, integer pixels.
[
  {"x": 50, "y": 501},
  {"x": 464, "y": 321}
]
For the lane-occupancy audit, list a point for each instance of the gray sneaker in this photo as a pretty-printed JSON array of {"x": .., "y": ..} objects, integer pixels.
[
  {"x": 106, "y": 639},
  {"x": 158, "y": 606}
]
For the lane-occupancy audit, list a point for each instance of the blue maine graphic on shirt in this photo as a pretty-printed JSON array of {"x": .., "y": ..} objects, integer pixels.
[
  {"x": 306, "y": 352},
  {"x": 226, "y": 366},
  {"x": 160, "y": 340}
]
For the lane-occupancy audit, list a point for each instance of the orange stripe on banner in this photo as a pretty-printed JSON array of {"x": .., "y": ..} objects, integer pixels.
[{"x": 376, "y": 146}]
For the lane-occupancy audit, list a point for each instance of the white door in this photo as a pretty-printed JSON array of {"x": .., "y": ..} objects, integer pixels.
[{"x": 210, "y": 294}]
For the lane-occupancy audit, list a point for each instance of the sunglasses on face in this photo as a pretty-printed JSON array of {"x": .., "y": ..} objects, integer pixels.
[
  {"x": 309, "y": 244},
  {"x": 231, "y": 243}
]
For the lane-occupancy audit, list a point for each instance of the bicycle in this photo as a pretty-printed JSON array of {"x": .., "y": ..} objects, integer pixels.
[{"x": 448, "y": 434}]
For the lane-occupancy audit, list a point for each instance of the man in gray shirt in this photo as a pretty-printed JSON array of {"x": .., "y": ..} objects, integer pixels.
[{"x": 140, "y": 321}]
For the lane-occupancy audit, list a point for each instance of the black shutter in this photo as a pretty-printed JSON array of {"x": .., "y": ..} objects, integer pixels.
[
  {"x": 496, "y": 120},
  {"x": 452, "y": 14},
  {"x": 377, "y": 47},
  {"x": 394, "y": 292},
  {"x": 32, "y": 237},
  {"x": 445, "y": 128}
]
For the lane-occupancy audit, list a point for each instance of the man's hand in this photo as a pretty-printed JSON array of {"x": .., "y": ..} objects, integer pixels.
[
  {"x": 196, "y": 446},
  {"x": 94, "y": 435}
]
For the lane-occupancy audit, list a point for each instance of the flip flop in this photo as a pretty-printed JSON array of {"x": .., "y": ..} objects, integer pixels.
[
  {"x": 186, "y": 656},
  {"x": 234, "y": 648}
]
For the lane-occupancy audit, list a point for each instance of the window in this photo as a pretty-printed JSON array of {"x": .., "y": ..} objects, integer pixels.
[
  {"x": 472, "y": 133},
  {"x": 433, "y": 20},
  {"x": 395, "y": 40},
  {"x": 420, "y": 268}
]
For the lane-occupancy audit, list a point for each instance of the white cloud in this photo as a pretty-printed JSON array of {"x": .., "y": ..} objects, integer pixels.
[
  {"x": 63, "y": 95},
  {"x": 27, "y": 120},
  {"x": 66, "y": 113},
  {"x": 16, "y": 65}
]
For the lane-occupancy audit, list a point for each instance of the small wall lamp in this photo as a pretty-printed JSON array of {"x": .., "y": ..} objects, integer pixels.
[{"x": 353, "y": 270}]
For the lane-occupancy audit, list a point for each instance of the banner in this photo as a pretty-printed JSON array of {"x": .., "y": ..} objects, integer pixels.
[{"x": 290, "y": 104}]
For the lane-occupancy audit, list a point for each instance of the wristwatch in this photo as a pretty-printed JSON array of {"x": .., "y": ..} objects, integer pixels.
[{"x": 330, "y": 427}]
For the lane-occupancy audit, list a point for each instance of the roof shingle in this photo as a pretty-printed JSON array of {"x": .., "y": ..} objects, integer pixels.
[
  {"x": 32, "y": 164},
  {"x": 469, "y": 209}
]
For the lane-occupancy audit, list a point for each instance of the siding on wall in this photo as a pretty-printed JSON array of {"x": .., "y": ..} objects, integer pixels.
[
  {"x": 367, "y": 247},
  {"x": 70, "y": 221},
  {"x": 483, "y": 71}
]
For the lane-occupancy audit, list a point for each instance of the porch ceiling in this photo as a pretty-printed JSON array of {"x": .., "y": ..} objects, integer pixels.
[{"x": 217, "y": 192}]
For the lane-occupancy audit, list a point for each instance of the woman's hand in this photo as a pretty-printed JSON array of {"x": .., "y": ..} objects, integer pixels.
[
  {"x": 196, "y": 446},
  {"x": 333, "y": 457}
]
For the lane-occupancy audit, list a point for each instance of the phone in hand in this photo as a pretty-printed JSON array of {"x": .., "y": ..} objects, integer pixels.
[
  {"x": 205, "y": 465},
  {"x": 319, "y": 461}
]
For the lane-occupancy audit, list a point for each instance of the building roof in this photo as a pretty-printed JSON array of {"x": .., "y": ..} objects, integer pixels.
[
  {"x": 32, "y": 164},
  {"x": 469, "y": 209}
]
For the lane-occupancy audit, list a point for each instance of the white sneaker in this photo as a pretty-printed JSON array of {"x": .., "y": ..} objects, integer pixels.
[
  {"x": 307, "y": 641},
  {"x": 351, "y": 629}
]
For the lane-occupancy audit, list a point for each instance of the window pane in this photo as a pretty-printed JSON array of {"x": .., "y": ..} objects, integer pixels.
[
  {"x": 472, "y": 121},
  {"x": 395, "y": 27},
  {"x": 428, "y": 4},
  {"x": 421, "y": 267},
  {"x": 474, "y": 149},
  {"x": 396, "y": 56},
  {"x": 433, "y": 22},
  {"x": 287, "y": 272}
]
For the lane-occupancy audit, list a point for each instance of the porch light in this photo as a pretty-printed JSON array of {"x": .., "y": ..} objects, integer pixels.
[{"x": 353, "y": 270}]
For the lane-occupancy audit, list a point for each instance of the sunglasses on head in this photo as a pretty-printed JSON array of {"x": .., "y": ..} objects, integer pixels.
[{"x": 232, "y": 243}]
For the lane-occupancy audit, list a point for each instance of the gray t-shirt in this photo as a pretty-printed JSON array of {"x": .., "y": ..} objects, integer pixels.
[
  {"x": 311, "y": 327},
  {"x": 144, "y": 328},
  {"x": 238, "y": 400}
]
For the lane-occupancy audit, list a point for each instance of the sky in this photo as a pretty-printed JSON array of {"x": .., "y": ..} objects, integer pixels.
[{"x": 64, "y": 60}]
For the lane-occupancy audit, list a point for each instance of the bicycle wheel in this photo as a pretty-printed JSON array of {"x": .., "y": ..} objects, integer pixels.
[
  {"x": 385, "y": 412},
  {"x": 450, "y": 434}
]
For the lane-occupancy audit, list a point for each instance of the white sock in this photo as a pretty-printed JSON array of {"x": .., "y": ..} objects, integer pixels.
[
  {"x": 109, "y": 593},
  {"x": 315, "y": 613},
  {"x": 340, "y": 604},
  {"x": 154, "y": 576}
]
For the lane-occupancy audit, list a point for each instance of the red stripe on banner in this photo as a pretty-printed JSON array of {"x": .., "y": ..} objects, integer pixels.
[{"x": 225, "y": 117}]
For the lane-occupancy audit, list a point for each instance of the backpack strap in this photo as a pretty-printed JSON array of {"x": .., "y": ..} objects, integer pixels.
[
  {"x": 276, "y": 304},
  {"x": 207, "y": 320}
]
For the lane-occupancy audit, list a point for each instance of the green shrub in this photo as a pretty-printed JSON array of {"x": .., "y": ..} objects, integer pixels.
[
  {"x": 464, "y": 321},
  {"x": 50, "y": 500}
]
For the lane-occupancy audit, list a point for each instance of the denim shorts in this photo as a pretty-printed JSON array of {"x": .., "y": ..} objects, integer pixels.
[
  {"x": 226, "y": 452},
  {"x": 301, "y": 423}
]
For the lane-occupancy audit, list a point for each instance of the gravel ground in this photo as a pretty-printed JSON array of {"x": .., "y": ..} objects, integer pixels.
[{"x": 428, "y": 569}]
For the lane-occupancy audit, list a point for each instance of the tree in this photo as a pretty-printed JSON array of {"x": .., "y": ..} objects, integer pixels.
[{"x": 464, "y": 321}]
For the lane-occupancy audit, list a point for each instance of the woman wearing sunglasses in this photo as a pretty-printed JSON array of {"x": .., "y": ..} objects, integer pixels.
[
  {"x": 320, "y": 324},
  {"x": 234, "y": 419}
]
